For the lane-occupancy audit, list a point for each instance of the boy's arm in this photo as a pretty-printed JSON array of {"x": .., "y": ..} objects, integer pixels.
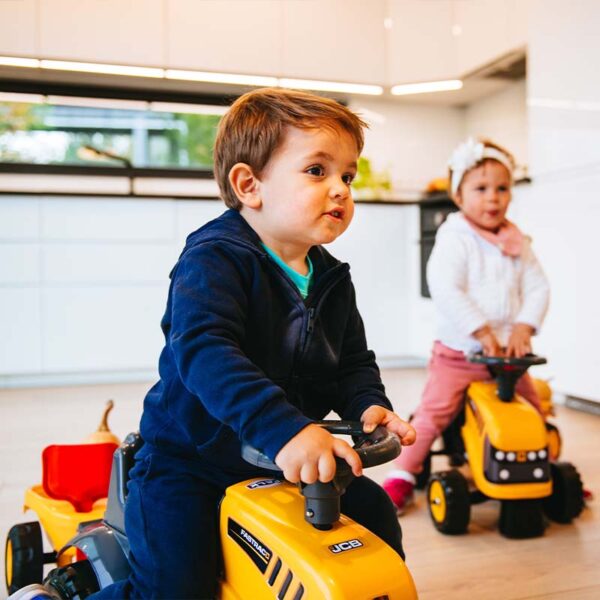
[
  {"x": 208, "y": 319},
  {"x": 359, "y": 381},
  {"x": 535, "y": 291},
  {"x": 447, "y": 280}
]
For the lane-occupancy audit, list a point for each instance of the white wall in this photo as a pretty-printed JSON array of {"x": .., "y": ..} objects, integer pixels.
[
  {"x": 502, "y": 117},
  {"x": 562, "y": 208},
  {"x": 413, "y": 141}
]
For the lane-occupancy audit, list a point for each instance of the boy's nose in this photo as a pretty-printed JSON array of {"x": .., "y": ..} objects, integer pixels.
[{"x": 339, "y": 190}]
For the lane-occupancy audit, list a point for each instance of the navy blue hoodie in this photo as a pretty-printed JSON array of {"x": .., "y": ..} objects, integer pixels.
[{"x": 246, "y": 358}]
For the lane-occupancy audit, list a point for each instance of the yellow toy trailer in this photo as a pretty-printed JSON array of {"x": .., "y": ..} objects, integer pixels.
[
  {"x": 511, "y": 452},
  {"x": 278, "y": 540}
]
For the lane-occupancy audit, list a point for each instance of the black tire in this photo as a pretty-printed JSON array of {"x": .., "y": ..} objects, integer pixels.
[
  {"x": 73, "y": 582},
  {"x": 23, "y": 556},
  {"x": 423, "y": 476},
  {"x": 566, "y": 501},
  {"x": 521, "y": 519},
  {"x": 449, "y": 502}
]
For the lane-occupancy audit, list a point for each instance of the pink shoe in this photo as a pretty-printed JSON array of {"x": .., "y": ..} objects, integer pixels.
[{"x": 401, "y": 492}]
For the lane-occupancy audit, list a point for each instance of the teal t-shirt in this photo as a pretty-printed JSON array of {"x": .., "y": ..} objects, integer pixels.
[{"x": 302, "y": 282}]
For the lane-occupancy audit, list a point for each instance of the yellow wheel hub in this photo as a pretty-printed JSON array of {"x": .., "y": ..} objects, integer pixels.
[
  {"x": 553, "y": 444},
  {"x": 437, "y": 502},
  {"x": 8, "y": 563}
]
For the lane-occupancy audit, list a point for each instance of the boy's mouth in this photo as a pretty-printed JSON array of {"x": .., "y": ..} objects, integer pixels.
[{"x": 337, "y": 213}]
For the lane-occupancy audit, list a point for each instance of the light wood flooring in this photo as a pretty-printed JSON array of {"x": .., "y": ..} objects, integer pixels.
[{"x": 481, "y": 565}]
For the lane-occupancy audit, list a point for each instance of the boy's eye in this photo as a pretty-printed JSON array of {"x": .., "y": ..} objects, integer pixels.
[
  {"x": 503, "y": 188},
  {"x": 480, "y": 188},
  {"x": 348, "y": 178},
  {"x": 316, "y": 170}
]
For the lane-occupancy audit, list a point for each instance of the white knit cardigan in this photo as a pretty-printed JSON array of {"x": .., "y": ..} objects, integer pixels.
[{"x": 472, "y": 284}]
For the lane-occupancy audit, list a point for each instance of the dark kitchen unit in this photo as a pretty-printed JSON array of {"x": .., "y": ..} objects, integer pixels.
[{"x": 433, "y": 212}]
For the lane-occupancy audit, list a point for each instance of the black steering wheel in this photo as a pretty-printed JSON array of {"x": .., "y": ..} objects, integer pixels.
[
  {"x": 374, "y": 448},
  {"x": 507, "y": 370},
  {"x": 322, "y": 500}
]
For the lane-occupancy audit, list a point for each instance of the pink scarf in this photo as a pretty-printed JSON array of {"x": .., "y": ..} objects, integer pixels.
[{"x": 508, "y": 238}]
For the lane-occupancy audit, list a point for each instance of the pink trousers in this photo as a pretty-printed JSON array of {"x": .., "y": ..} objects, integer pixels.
[{"x": 449, "y": 375}]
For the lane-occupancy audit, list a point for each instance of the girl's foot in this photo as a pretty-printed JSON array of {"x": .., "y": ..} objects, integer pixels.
[{"x": 401, "y": 492}]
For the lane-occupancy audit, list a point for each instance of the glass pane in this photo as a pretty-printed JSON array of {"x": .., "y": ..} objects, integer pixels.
[{"x": 55, "y": 133}]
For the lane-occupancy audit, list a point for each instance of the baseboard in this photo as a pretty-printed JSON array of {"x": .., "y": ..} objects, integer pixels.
[
  {"x": 583, "y": 404},
  {"x": 82, "y": 378},
  {"x": 402, "y": 362},
  {"x": 100, "y": 377}
]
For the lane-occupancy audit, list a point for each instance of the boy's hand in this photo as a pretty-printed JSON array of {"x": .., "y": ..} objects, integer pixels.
[
  {"x": 310, "y": 455},
  {"x": 378, "y": 415},
  {"x": 519, "y": 343},
  {"x": 490, "y": 345}
]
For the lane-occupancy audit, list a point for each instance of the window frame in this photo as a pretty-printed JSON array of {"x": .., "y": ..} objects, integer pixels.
[{"x": 116, "y": 93}]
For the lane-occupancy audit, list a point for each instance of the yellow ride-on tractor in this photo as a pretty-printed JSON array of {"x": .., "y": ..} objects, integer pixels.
[
  {"x": 511, "y": 451},
  {"x": 278, "y": 540}
]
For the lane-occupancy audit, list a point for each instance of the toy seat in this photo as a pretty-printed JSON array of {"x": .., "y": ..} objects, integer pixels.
[
  {"x": 123, "y": 461},
  {"x": 78, "y": 473}
]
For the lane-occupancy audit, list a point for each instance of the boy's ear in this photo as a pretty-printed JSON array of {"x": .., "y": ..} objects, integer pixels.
[
  {"x": 245, "y": 185},
  {"x": 457, "y": 198}
]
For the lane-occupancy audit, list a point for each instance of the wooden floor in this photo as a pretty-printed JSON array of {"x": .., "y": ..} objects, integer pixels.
[{"x": 481, "y": 565}]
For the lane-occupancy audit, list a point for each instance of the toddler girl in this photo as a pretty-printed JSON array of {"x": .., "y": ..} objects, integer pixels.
[{"x": 489, "y": 292}]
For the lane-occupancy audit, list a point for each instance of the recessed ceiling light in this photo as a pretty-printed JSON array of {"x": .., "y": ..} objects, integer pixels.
[
  {"x": 14, "y": 61},
  {"x": 64, "y": 65},
  {"x": 230, "y": 78},
  {"x": 426, "y": 87},
  {"x": 331, "y": 86}
]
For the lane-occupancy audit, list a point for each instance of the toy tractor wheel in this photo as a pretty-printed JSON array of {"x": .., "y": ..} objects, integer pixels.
[
  {"x": 566, "y": 501},
  {"x": 423, "y": 476},
  {"x": 521, "y": 519},
  {"x": 73, "y": 582},
  {"x": 554, "y": 442},
  {"x": 24, "y": 556},
  {"x": 449, "y": 503}
]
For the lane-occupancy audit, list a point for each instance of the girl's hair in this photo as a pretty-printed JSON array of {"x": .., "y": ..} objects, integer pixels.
[
  {"x": 254, "y": 128},
  {"x": 487, "y": 143}
]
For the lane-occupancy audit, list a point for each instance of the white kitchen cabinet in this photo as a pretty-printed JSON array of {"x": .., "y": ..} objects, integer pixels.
[
  {"x": 489, "y": 29},
  {"x": 339, "y": 40},
  {"x": 127, "y": 32},
  {"x": 18, "y": 21},
  {"x": 421, "y": 44},
  {"x": 235, "y": 36}
]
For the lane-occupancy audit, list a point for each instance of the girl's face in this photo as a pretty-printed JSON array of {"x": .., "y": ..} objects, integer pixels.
[{"x": 484, "y": 194}]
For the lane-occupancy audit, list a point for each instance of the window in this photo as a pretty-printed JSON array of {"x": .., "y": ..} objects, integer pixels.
[{"x": 83, "y": 131}]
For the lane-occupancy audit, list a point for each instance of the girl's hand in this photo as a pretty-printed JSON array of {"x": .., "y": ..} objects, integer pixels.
[
  {"x": 310, "y": 455},
  {"x": 519, "y": 343},
  {"x": 377, "y": 415},
  {"x": 490, "y": 345}
]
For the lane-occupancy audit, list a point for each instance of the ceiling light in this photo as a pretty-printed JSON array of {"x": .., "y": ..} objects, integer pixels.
[
  {"x": 426, "y": 87},
  {"x": 231, "y": 78},
  {"x": 63, "y": 65},
  {"x": 183, "y": 107},
  {"x": 331, "y": 86},
  {"x": 25, "y": 98},
  {"x": 13, "y": 61}
]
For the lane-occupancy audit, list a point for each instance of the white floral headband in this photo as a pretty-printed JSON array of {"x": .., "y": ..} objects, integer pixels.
[{"x": 468, "y": 154}]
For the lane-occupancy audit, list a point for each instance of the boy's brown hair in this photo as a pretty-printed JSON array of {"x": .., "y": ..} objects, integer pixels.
[
  {"x": 487, "y": 144},
  {"x": 254, "y": 128}
]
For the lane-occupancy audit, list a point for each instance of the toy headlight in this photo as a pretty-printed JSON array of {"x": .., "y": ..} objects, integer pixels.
[{"x": 521, "y": 466}]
